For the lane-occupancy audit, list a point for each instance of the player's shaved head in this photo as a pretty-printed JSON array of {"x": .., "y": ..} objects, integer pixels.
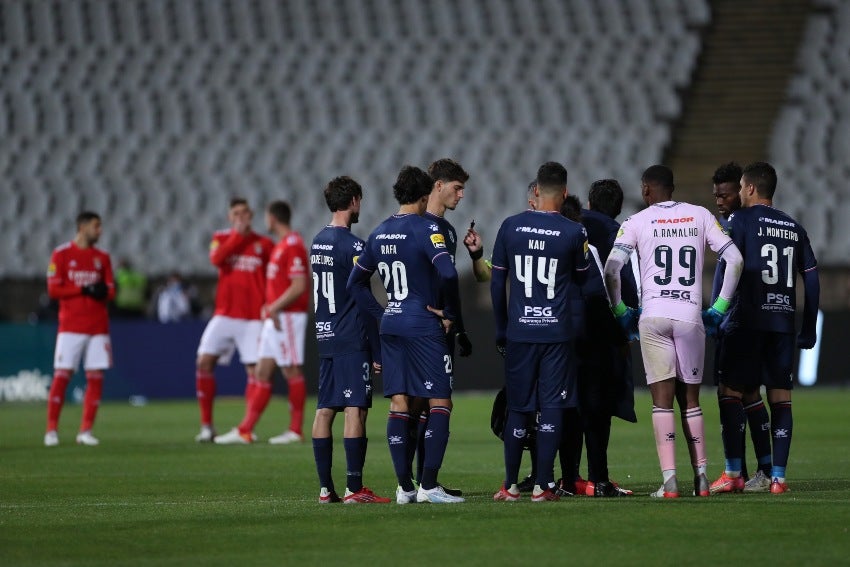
[
  {"x": 85, "y": 217},
  {"x": 411, "y": 185},
  {"x": 340, "y": 191},
  {"x": 659, "y": 176},
  {"x": 280, "y": 211},
  {"x": 551, "y": 178},
  {"x": 762, "y": 176}
]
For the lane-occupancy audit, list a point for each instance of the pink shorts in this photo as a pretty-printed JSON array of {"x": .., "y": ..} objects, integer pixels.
[{"x": 672, "y": 349}]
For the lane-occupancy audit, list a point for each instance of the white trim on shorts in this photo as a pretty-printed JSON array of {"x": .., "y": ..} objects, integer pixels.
[
  {"x": 285, "y": 346},
  {"x": 94, "y": 350},
  {"x": 225, "y": 335}
]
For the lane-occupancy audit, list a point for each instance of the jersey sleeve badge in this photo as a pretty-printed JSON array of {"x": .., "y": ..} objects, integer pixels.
[{"x": 438, "y": 240}]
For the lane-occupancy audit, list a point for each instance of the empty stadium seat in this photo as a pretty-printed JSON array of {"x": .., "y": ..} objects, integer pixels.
[{"x": 153, "y": 110}]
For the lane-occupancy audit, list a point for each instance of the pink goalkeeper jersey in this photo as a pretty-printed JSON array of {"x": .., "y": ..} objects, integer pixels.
[{"x": 670, "y": 239}]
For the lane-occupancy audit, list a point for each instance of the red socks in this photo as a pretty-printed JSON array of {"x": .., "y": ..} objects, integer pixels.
[
  {"x": 91, "y": 402},
  {"x": 56, "y": 397},
  {"x": 250, "y": 389},
  {"x": 262, "y": 393},
  {"x": 205, "y": 390},
  {"x": 297, "y": 399}
]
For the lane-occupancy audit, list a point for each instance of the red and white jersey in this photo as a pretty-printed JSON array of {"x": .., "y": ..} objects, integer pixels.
[
  {"x": 71, "y": 268},
  {"x": 241, "y": 261},
  {"x": 289, "y": 260}
]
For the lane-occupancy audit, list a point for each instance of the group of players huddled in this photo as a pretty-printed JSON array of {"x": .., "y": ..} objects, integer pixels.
[{"x": 570, "y": 289}]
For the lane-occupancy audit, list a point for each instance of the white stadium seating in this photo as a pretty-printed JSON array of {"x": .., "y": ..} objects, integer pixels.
[
  {"x": 156, "y": 112},
  {"x": 810, "y": 143}
]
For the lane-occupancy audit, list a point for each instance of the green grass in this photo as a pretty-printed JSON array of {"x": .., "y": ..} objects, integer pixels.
[{"x": 148, "y": 495}]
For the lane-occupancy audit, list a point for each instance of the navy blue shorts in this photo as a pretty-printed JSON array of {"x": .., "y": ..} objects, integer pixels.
[
  {"x": 416, "y": 366},
  {"x": 749, "y": 358},
  {"x": 540, "y": 376},
  {"x": 345, "y": 381}
]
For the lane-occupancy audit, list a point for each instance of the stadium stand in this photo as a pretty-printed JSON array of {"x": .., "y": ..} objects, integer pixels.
[
  {"x": 810, "y": 143},
  {"x": 155, "y": 112}
]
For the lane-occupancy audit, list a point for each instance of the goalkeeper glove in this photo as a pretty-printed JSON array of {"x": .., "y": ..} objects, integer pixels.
[
  {"x": 96, "y": 290},
  {"x": 713, "y": 316},
  {"x": 627, "y": 317}
]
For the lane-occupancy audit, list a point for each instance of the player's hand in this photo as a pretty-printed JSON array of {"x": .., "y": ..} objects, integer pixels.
[
  {"x": 376, "y": 368},
  {"x": 473, "y": 243},
  {"x": 806, "y": 341},
  {"x": 711, "y": 319},
  {"x": 447, "y": 323},
  {"x": 464, "y": 344},
  {"x": 500, "y": 347},
  {"x": 274, "y": 315},
  {"x": 97, "y": 290},
  {"x": 241, "y": 225}
]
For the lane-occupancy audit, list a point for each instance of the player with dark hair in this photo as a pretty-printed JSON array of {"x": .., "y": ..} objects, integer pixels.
[
  {"x": 281, "y": 341},
  {"x": 759, "y": 331},
  {"x": 241, "y": 255},
  {"x": 80, "y": 278},
  {"x": 406, "y": 250},
  {"x": 604, "y": 358},
  {"x": 726, "y": 183},
  {"x": 670, "y": 238},
  {"x": 542, "y": 254},
  {"x": 348, "y": 346},
  {"x": 449, "y": 182}
]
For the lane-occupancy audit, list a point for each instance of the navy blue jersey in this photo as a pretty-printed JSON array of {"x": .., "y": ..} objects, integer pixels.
[
  {"x": 775, "y": 249},
  {"x": 340, "y": 327},
  {"x": 542, "y": 254},
  {"x": 601, "y": 233},
  {"x": 403, "y": 250},
  {"x": 446, "y": 229},
  {"x": 450, "y": 235}
]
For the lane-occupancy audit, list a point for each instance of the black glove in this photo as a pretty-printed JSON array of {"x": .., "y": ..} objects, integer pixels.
[
  {"x": 806, "y": 341},
  {"x": 464, "y": 344},
  {"x": 500, "y": 347},
  {"x": 96, "y": 290}
]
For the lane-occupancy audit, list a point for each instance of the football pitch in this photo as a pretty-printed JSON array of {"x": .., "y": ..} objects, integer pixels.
[{"x": 149, "y": 495}]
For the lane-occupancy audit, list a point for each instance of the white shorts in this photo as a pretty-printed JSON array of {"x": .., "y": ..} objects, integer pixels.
[
  {"x": 672, "y": 349},
  {"x": 223, "y": 335},
  {"x": 71, "y": 346},
  {"x": 286, "y": 346}
]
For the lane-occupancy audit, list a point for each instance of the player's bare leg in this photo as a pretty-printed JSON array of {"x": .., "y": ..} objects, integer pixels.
[
  {"x": 205, "y": 391},
  {"x": 664, "y": 427}
]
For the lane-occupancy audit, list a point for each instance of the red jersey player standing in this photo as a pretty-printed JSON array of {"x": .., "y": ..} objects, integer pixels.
[
  {"x": 80, "y": 277},
  {"x": 282, "y": 337},
  {"x": 241, "y": 256}
]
